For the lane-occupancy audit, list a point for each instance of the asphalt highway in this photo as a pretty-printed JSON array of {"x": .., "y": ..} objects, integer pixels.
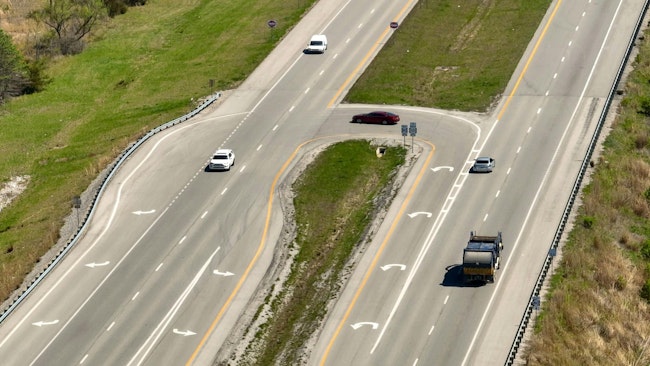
[{"x": 175, "y": 253}]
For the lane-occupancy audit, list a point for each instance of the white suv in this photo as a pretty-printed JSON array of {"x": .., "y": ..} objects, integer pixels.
[
  {"x": 222, "y": 159},
  {"x": 317, "y": 44}
]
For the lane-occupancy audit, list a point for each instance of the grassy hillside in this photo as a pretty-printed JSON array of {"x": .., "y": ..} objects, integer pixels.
[
  {"x": 140, "y": 70},
  {"x": 144, "y": 68}
]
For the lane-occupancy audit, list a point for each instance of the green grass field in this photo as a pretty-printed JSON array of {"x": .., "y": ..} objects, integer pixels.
[
  {"x": 136, "y": 74},
  {"x": 451, "y": 54},
  {"x": 144, "y": 69}
]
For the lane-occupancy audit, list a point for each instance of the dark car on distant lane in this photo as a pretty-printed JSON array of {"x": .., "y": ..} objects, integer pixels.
[{"x": 384, "y": 118}]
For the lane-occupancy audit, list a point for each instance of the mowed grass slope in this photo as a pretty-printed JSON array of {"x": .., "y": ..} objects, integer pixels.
[
  {"x": 144, "y": 68},
  {"x": 451, "y": 54},
  {"x": 140, "y": 70}
]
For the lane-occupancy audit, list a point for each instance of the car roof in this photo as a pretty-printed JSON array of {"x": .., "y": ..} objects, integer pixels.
[
  {"x": 485, "y": 158},
  {"x": 222, "y": 151}
]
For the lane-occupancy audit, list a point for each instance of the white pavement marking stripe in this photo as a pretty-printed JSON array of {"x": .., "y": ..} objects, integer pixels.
[
  {"x": 93, "y": 264},
  {"x": 356, "y": 326},
  {"x": 91, "y": 247},
  {"x": 438, "y": 168},
  {"x": 42, "y": 323},
  {"x": 184, "y": 333},
  {"x": 533, "y": 204},
  {"x": 401, "y": 267},
  {"x": 94, "y": 291},
  {"x": 144, "y": 212},
  {"x": 412, "y": 215},
  {"x": 158, "y": 332},
  {"x": 224, "y": 274},
  {"x": 460, "y": 181}
]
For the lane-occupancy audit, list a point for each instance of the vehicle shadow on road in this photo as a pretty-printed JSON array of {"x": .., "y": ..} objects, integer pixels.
[{"x": 454, "y": 278}]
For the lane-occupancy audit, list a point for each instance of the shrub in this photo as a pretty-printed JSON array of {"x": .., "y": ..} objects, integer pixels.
[
  {"x": 646, "y": 194},
  {"x": 36, "y": 76},
  {"x": 645, "y": 291},
  {"x": 644, "y": 105},
  {"x": 645, "y": 250},
  {"x": 588, "y": 222}
]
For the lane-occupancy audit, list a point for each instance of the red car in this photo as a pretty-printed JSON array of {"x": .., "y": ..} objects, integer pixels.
[{"x": 384, "y": 118}]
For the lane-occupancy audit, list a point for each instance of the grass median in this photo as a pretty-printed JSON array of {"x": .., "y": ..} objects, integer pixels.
[
  {"x": 150, "y": 65},
  {"x": 336, "y": 199}
]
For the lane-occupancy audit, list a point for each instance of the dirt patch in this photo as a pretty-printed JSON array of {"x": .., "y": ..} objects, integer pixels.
[
  {"x": 471, "y": 29},
  {"x": 13, "y": 189}
]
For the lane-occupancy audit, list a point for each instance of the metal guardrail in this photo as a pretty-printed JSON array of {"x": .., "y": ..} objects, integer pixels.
[
  {"x": 91, "y": 210},
  {"x": 534, "y": 296}
]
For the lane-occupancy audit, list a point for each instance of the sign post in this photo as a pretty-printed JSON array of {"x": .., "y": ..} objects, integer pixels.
[
  {"x": 413, "y": 130},
  {"x": 76, "y": 203}
]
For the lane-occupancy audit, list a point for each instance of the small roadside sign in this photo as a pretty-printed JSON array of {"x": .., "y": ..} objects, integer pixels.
[
  {"x": 272, "y": 23},
  {"x": 536, "y": 302},
  {"x": 413, "y": 129},
  {"x": 394, "y": 25}
]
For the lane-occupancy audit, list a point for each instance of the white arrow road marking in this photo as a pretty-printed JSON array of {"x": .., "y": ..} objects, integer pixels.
[
  {"x": 402, "y": 267},
  {"x": 185, "y": 333},
  {"x": 143, "y": 212},
  {"x": 451, "y": 168},
  {"x": 225, "y": 274},
  {"x": 152, "y": 340},
  {"x": 93, "y": 264},
  {"x": 412, "y": 215},
  {"x": 356, "y": 326},
  {"x": 42, "y": 323}
]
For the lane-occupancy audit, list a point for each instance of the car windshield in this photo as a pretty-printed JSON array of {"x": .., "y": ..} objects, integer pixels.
[
  {"x": 482, "y": 161},
  {"x": 316, "y": 43},
  {"x": 220, "y": 157}
]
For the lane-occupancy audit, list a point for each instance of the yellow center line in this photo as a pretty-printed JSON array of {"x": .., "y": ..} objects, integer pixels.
[
  {"x": 379, "y": 252},
  {"x": 243, "y": 278},
  {"x": 389, "y": 234},
  {"x": 530, "y": 59},
  {"x": 366, "y": 57}
]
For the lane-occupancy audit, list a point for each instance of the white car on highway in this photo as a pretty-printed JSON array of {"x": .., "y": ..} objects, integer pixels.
[
  {"x": 483, "y": 165},
  {"x": 317, "y": 44},
  {"x": 222, "y": 159}
]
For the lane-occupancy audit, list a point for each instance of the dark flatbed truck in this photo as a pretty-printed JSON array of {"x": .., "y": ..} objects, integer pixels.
[{"x": 482, "y": 257}]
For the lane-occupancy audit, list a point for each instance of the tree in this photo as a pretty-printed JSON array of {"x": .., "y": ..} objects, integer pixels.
[
  {"x": 13, "y": 79},
  {"x": 118, "y": 7},
  {"x": 70, "y": 21}
]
